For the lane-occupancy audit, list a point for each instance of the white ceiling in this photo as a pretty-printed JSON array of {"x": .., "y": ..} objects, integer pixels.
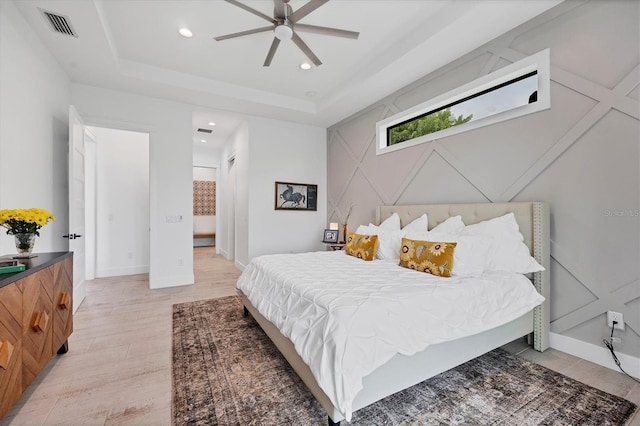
[{"x": 133, "y": 45}]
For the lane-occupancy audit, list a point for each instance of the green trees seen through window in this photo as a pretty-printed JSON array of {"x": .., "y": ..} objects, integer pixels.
[{"x": 431, "y": 123}]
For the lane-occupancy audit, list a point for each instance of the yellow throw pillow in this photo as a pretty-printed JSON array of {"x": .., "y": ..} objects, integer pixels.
[
  {"x": 362, "y": 246},
  {"x": 434, "y": 258}
]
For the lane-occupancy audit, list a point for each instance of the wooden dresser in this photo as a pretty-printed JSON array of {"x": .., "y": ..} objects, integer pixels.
[{"x": 35, "y": 321}]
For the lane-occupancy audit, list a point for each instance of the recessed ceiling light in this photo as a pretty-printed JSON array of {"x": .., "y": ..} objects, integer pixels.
[
  {"x": 305, "y": 66},
  {"x": 185, "y": 32},
  {"x": 211, "y": 123},
  {"x": 203, "y": 141}
]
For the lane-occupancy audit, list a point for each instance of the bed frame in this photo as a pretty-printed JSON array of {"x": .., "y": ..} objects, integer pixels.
[{"x": 403, "y": 371}]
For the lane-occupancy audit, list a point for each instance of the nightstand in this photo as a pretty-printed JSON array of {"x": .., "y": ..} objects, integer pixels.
[{"x": 335, "y": 246}]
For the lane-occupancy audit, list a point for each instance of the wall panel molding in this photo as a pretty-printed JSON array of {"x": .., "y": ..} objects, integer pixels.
[{"x": 595, "y": 135}]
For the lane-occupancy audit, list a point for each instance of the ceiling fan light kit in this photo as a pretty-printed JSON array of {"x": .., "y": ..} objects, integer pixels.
[
  {"x": 283, "y": 31},
  {"x": 285, "y": 26}
]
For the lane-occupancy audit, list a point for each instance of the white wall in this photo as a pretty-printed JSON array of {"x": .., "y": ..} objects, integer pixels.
[
  {"x": 287, "y": 152},
  {"x": 34, "y": 130},
  {"x": 204, "y": 173},
  {"x": 267, "y": 151},
  {"x": 35, "y": 96},
  {"x": 205, "y": 156},
  {"x": 122, "y": 190},
  {"x": 170, "y": 172}
]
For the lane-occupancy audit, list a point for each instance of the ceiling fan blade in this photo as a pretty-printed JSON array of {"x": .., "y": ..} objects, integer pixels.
[
  {"x": 305, "y": 49},
  {"x": 327, "y": 31},
  {"x": 272, "y": 51},
  {"x": 251, "y": 10},
  {"x": 243, "y": 33},
  {"x": 306, "y": 9}
]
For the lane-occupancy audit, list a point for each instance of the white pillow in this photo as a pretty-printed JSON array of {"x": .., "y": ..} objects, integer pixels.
[
  {"x": 470, "y": 254},
  {"x": 506, "y": 250},
  {"x": 389, "y": 237},
  {"x": 499, "y": 227},
  {"x": 452, "y": 225},
  {"x": 417, "y": 225},
  {"x": 392, "y": 223}
]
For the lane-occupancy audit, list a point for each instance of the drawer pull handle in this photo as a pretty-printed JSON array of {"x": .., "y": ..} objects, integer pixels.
[
  {"x": 40, "y": 322},
  {"x": 65, "y": 299},
  {"x": 6, "y": 350}
]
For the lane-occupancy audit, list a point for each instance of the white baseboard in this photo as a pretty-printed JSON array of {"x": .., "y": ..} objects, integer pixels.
[
  {"x": 120, "y": 271},
  {"x": 597, "y": 354},
  {"x": 239, "y": 265},
  {"x": 171, "y": 281}
]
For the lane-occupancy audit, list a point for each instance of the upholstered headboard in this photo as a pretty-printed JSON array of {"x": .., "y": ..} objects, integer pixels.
[{"x": 533, "y": 220}]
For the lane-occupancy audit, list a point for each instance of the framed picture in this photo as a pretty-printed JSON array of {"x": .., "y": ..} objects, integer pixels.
[
  {"x": 296, "y": 196},
  {"x": 330, "y": 236}
]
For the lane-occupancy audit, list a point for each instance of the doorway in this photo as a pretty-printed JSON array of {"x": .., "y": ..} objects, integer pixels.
[
  {"x": 204, "y": 206},
  {"x": 117, "y": 209}
]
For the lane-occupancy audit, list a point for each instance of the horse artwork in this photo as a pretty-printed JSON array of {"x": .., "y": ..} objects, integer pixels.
[{"x": 296, "y": 196}]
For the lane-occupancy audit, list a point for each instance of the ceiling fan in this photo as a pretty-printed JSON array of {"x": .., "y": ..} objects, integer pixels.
[{"x": 285, "y": 26}]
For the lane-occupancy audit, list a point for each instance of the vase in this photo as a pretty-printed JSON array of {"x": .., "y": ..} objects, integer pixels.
[
  {"x": 344, "y": 233},
  {"x": 24, "y": 243}
]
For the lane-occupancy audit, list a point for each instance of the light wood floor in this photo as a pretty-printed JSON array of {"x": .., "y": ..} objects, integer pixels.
[{"x": 118, "y": 368}]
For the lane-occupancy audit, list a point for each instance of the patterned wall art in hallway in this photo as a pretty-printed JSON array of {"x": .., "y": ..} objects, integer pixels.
[{"x": 204, "y": 198}]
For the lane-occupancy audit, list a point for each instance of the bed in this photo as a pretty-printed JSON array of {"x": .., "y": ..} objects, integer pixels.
[{"x": 404, "y": 370}]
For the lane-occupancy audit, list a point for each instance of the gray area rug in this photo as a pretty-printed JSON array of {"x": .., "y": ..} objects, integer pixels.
[{"x": 226, "y": 371}]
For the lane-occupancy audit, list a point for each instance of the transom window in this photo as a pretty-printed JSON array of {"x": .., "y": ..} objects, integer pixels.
[{"x": 518, "y": 89}]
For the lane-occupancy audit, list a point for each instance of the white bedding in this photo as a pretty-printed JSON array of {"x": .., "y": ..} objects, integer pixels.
[{"x": 347, "y": 317}]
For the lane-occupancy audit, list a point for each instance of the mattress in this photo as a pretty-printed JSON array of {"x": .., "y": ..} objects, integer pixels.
[{"x": 347, "y": 317}]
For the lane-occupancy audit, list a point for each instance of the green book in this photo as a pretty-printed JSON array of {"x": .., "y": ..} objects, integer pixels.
[{"x": 12, "y": 269}]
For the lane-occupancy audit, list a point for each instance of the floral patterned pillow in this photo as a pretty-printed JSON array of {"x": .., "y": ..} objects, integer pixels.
[
  {"x": 362, "y": 246},
  {"x": 435, "y": 258}
]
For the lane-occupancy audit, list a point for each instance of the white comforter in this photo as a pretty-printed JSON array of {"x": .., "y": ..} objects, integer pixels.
[{"x": 347, "y": 317}]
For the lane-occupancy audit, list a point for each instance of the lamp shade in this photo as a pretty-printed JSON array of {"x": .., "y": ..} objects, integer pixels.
[{"x": 333, "y": 226}]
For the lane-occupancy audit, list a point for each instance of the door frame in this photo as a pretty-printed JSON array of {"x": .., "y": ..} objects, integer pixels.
[{"x": 100, "y": 121}]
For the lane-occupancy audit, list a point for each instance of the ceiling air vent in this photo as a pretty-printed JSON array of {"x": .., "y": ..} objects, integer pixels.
[
  {"x": 59, "y": 23},
  {"x": 201, "y": 130}
]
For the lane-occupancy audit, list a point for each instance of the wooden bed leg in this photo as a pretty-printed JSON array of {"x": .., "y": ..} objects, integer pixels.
[
  {"x": 245, "y": 311},
  {"x": 331, "y": 422}
]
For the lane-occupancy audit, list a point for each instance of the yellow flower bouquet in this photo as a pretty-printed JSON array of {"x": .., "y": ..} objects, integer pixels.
[{"x": 24, "y": 221}]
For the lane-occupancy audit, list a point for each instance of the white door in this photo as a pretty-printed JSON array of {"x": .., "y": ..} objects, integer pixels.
[{"x": 76, "y": 204}]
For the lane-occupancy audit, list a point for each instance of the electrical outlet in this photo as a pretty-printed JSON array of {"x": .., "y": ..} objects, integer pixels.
[{"x": 615, "y": 316}]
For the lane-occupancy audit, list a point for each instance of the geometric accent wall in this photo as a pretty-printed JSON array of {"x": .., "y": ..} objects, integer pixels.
[{"x": 582, "y": 156}]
